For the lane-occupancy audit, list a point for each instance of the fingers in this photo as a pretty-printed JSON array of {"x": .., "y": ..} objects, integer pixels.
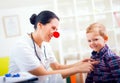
[
  {"x": 86, "y": 60},
  {"x": 94, "y": 62},
  {"x": 91, "y": 67},
  {"x": 88, "y": 67}
]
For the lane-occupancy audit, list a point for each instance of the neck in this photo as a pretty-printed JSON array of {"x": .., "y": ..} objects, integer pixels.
[{"x": 36, "y": 39}]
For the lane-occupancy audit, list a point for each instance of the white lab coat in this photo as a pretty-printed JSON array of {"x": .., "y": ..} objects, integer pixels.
[{"x": 23, "y": 57}]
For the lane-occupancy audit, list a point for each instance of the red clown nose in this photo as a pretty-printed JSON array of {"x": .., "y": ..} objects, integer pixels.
[{"x": 56, "y": 34}]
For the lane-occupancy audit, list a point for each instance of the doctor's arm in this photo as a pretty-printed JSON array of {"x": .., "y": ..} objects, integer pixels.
[
  {"x": 56, "y": 65},
  {"x": 66, "y": 71}
]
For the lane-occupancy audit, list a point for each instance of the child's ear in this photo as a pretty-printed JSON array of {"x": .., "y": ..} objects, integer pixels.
[{"x": 106, "y": 38}]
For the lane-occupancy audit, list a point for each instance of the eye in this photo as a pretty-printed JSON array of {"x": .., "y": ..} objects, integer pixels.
[
  {"x": 96, "y": 39},
  {"x": 89, "y": 40},
  {"x": 54, "y": 28}
]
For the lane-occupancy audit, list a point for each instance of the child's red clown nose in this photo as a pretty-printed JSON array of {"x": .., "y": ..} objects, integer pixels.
[{"x": 56, "y": 34}]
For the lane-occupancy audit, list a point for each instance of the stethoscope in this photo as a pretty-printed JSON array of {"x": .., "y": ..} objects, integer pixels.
[
  {"x": 55, "y": 34},
  {"x": 36, "y": 50}
]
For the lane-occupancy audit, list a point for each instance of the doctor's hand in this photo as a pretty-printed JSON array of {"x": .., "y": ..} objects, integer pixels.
[
  {"x": 94, "y": 62},
  {"x": 86, "y": 65}
]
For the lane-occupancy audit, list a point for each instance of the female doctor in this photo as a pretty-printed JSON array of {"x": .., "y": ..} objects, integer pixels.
[{"x": 31, "y": 54}]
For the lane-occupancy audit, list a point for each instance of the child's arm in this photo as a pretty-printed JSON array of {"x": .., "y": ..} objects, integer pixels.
[{"x": 114, "y": 65}]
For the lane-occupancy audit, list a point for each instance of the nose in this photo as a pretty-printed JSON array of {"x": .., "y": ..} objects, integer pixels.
[{"x": 56, "y": 34}]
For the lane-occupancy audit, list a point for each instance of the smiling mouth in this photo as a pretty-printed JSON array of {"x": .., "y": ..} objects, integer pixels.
[{"x": 50, "y": 36}]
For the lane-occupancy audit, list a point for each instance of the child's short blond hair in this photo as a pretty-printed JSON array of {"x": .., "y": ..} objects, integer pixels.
[{"x": 97, "y": 28}]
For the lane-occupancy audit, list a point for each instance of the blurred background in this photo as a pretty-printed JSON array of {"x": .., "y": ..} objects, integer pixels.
[{"x": 75, "y": 16}]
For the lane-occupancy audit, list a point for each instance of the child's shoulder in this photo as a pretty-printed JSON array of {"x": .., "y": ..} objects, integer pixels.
[{"x": 110, "y": 55}]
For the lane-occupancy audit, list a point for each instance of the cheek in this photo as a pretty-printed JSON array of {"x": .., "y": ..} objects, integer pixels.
[
  {"x": 90, "y": 45},
  {"x": 49, "y": 31},
  {"x": 100, "y": 44}
]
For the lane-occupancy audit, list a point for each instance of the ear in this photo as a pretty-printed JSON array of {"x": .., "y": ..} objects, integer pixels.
[
  {"x": 106, "y": 38},
  {"x": 39, "y": 25}
]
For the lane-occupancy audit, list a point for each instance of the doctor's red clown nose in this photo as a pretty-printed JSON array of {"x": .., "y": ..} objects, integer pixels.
[{"x": 56, "y": 34}]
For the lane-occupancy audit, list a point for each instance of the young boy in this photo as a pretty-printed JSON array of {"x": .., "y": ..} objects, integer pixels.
[{"x": 108, "y": 70}]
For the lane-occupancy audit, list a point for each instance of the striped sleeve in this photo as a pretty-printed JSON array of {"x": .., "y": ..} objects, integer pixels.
[{"x": 114, "y": 64}]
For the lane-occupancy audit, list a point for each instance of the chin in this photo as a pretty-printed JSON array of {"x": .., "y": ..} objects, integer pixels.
[
  {"x": 47, "y": 39},
  {"x": 95, "y": 50}
]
